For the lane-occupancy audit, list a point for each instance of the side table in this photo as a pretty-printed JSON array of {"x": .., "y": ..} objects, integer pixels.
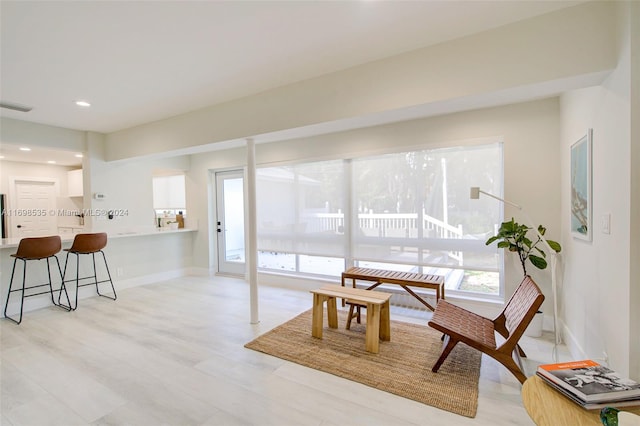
[{"x": 548, "y": 407}]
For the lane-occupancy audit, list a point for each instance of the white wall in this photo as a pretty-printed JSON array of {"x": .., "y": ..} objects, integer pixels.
[
  {"x": 17, "y": 132},
  {"x": 634, "y": 230},
  {"x": 127, "y": 187},
  {"x": 529, "y": 54},
  {"x": 532, "y": 167},
  {"x": 596, "y": 294}
]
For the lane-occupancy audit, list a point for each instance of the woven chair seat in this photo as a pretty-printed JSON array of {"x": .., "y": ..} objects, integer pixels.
[{"x": 465, "y": 324}]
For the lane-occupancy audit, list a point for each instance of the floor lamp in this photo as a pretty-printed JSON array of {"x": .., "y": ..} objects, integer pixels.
[{"x": 475, "y": 194}]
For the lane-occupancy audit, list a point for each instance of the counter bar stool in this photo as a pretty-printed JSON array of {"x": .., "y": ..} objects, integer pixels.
[
  {"x": 89, "y": 244},
  {"x": 37, "y": 249}
]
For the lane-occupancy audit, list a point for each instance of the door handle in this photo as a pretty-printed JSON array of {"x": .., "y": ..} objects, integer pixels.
[{"x": 19, "y": 226}]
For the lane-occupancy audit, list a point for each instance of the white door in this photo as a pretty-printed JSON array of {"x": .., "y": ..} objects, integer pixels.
[
  {"x": 230, "y": 222},
  {"x": 34, "y": 210}
]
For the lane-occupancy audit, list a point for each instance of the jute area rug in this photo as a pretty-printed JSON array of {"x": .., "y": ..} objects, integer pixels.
[{"x": 403, "y": 366}]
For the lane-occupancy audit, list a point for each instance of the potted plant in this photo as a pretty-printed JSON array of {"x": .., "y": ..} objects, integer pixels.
[{"x": 513, "y": 236}]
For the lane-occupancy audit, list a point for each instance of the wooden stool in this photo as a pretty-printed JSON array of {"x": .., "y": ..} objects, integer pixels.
[{"x": 356, "y": 306}]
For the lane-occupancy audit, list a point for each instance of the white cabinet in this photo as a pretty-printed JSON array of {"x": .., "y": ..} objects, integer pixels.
[
  {"x": 66, "y": 230},
  {"x": 169, "y": 192},
  {"x": 74, "y": 183}
]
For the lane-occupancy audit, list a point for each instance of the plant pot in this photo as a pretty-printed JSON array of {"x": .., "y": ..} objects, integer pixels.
[{"x": 535, "y": 326}]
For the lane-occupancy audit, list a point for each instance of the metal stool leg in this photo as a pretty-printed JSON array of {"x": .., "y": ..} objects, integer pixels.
[
  {"x": 24, "y": 276},
  {"x": 64, "y": 280},
  {"x": 63, "y": 287},
  {"x": 93, "y": 278},
  {"x": 115, "y": 296}
]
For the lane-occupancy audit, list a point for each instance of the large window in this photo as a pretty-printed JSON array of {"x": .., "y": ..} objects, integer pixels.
[{"x": 407, "y": 211}]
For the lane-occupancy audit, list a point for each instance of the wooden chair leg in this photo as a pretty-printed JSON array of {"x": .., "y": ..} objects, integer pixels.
[
  {"x": 448, "y": 346},
  {"x": 353, "y": 307},
  {"x": 521, "y": 352},
  {"x": 511, "y": 365},
  {"x": 350, "y": 316}
]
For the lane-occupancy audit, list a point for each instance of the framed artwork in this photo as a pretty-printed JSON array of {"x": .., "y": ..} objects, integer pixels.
[{"x": 581, "y": 202}]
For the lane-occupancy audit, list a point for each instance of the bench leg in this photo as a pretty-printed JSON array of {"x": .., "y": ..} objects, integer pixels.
[
  {"x": 385, "y": 322},
  {"x": 316, "y": 319},
  {"x": 332, "y": 312},
  {"x": 373, "y": 328}
]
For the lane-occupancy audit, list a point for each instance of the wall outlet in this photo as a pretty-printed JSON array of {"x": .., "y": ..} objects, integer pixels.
[{"x": 119, "y": 272}]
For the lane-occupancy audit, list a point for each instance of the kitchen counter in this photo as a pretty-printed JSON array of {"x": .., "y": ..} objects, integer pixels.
[
  {"x": 136, "y": 256},
  {"x": 68, "y": 237}
]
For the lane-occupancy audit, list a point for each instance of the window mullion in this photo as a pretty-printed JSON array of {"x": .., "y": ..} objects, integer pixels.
[{"x": 349, "y": 218}]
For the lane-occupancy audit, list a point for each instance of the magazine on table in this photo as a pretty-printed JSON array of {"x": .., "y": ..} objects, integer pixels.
[
  {"x": 590, "y": 381},
  {"x": 634, "y": 402}
]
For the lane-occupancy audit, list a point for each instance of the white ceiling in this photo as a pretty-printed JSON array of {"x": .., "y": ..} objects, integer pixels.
[{"x": 142, "y": 61}]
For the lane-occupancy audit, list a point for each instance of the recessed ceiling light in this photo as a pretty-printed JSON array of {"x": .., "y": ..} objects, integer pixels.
[
  {"x": 51, "y": 162},
  {"x": 1, "y": 157},
  {"x": 83, "y": 103},
  {"x": 78, "y": 155},
  {"x": 24, "y": 148}
]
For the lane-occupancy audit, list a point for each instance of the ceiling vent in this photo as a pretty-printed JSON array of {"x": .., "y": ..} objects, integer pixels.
[{"x": 15, "y": 107}]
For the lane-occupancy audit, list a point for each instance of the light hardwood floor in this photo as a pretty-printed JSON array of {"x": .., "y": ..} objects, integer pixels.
[{"x": 172, "y": 353}]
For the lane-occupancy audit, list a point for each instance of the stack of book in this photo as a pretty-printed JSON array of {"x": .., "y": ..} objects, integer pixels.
[{"x": 591, "y": 385}]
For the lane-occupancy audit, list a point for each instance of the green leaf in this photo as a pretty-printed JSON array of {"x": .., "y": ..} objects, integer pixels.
[
  {"x": 555, "y": 246},
  {"x": 492, "y": 239},
  {"x": 504, "y": 244},
  {"x": 538, "y": 262}
]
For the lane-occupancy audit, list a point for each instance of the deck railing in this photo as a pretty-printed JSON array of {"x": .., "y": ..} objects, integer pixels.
[{"x": 382, "y": 225}]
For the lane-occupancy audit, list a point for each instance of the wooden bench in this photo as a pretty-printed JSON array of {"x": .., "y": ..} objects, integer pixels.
[
  {"x": 460, "y": 325},
  {"x": 378, "y": 322},
  {"x": 403, "y": 279}
]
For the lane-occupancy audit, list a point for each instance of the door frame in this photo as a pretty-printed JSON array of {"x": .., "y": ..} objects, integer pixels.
[
  {"x": 214, "y": 245},
  {"x": 12, "y": 196}
]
